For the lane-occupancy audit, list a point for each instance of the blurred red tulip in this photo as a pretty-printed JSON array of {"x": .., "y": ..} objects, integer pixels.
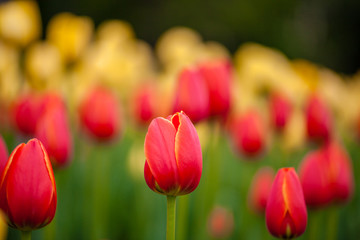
[
  {"x": 191, "y": 95},
  {"x": 260, "y": 189},
  {"x": 318, "y": 120},
  {"x": 27, "y": 110},
  {"x": 173, "y": 155},
  {"x": 3, "y": 155},
  {"x": 314, "y": 179},
  {"x": 54, "y": 132},
  {"x": 220, "y": 223},
  {"x": 326, "y": 175},
  {"x": 217, "y": 75},
  {"x": 100, "y": 114},
  {"x": 27, "y": 187},
  {"x": 248, "y": 133},
  {"x": 144, "y": 104},
  {"x": 280, "y": 110},
  {"x": 286, "y": 214}
]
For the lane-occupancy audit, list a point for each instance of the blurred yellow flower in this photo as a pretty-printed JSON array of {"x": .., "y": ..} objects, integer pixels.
[
  {"x": 43, "y": 64},
  {"x": 71, "y": 34},
  {"x": 20, "y": 22}
]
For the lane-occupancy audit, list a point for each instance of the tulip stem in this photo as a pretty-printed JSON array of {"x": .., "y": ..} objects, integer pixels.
[
  {"x": 170, "y": 220},
  {"x": 25, "y": 235}
]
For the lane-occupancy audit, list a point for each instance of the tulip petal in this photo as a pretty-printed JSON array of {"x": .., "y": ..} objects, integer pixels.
[
  {"x": 30, "y": 190},
  {"x": 159, "y": 153},
  {"x": 188, "y": 153}
]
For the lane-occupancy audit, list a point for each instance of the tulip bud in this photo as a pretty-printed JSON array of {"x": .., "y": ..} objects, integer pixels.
[
  {"x": 192, "y": 96},
  {"x": 27, "y": 187},
  {"x": 260, "y": 189},
  {"x": 318, "y": 120},
  {"x": 217, "y": 75},
  {"x": 173, "y": 155},
  {"x": 248, "y": 134},
  {"x": 100, "y": 114},
  {"x": 144, "y": 104},
  {"x": 54, "y": 132},
  {"x": 280, "y": 110},
  {"x": 3, "y": 155},
  {"x": 286, "y": 214},
  {"x": 220, "y": 223},
  {"x": 326, "y": 175},
  {"x": 26, "y": 112}
]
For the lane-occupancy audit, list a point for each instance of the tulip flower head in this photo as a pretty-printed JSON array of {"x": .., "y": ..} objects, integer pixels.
[
  {"x": 192, "y": 95},
  {"x": 280, "y": 110},
  {"x": 248, "y": 134},
  {"x": 173, "y": 163},
  {"x": 286, "y": 214},
  {"x": 220, "y": 223},
  {"x": 318, "y": 120},
  {"x": 54, "y": 132},
  {"x": 260, "y": 189},
  {"x": 100, "y": 114},
  {"x": 217, "y": 75},
  {"x": 326, "y": 176},
  {"x": 27, "y": 187},
  {"x": 144, "y": 102}
]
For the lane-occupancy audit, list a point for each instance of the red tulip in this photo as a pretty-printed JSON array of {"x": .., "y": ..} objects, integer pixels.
[
  {"x": 286, "y": 214},
  {"x": 220, "y": 223},
  {"x": 260, "y": 189},
  {"x": 100, "y": 114},
  {"x": 326, "y": 175},
  {"x": 191, "y": 95},
  {"x": 217, "y": 75},
  {"x": 314, "y": 179},
  {"x": 26, "y": 111},
  {"x": 144, "y": 104},
  {"x": 173, "y": 155},
  {"x": 3, "y": 155},
  {"x": 27, "y": 187},
  {"x": 280, "y": 110},
  {"x": 318, "y": 120},
  {"x": 54, "y": 132},
  {"x": 248, "y": 134}
]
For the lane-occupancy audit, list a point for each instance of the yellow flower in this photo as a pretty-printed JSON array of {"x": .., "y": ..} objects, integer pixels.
[
  {"x": 20, "y": 22},
  {"x": 71, "y": 34}
]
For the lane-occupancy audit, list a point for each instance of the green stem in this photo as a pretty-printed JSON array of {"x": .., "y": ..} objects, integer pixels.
[
  {"x": 170, "y": 220},
  {"x": 25, "y": 235},
  {"x": 333, "y": 223},
  {"x": 182, "y": 220}
]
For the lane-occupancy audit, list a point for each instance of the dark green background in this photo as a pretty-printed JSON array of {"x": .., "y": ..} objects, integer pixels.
[{"x": 323, "y": 31}]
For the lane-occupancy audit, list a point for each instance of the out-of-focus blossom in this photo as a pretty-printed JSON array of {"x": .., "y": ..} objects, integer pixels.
[
  {"x": 99, "y": 114},
  {"x": 286, "y": 214},
  {"x": 20, "y": 22},
  {"x": 27, "y": 187},
  {"x": 280, "y": 110},
  {"x": 326, "y": 175},
  {"x": 319, "y": 121},
  {"x": 192, "y": 95},
  {"x": 178, "y": 47},
  {"x": 54, "y": 132},
  {"x": 70, "y": 34},
  {"x": 115, "y": 32},
  {"x": 173, "y": 163},
  {"x": 218, "y": 77},
  {"x": 144, "y": 103},
  {"x": 248, "y": 133},
  {"x": 220, "y": 223},
  {"x": 3, "y": 155},
  {"x": 260, "y": 189},
  {"x": 294, "y": 135},
  {"x": 307, "y": 71},
  {"x": 27, "y": 110},
  {"x": 43, "y": 65}
]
